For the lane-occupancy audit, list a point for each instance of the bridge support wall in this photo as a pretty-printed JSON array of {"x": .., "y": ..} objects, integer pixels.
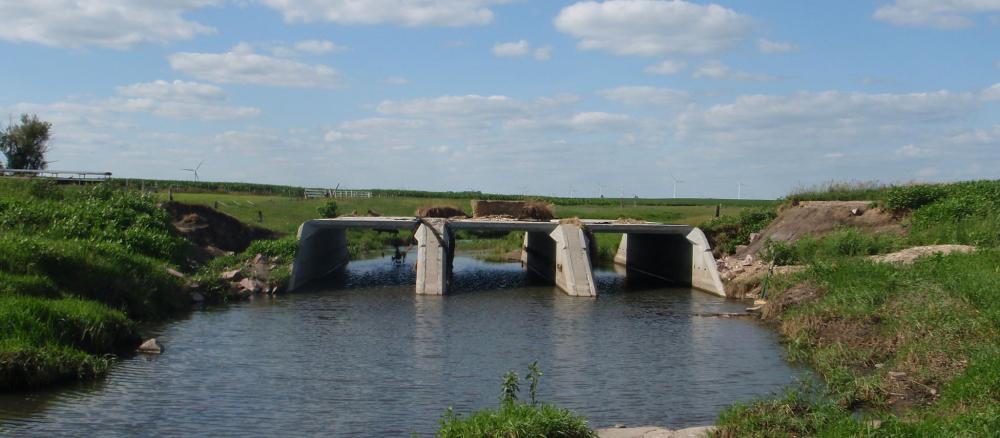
[
  {"x": 573, "y": 273},
  {"x": 321, "y": 251},
  {"x": 674, "y": 258},
  {"x": 435, "y": 253}
]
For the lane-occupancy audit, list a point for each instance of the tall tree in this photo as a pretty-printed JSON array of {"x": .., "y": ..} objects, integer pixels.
[{"x": 25, "y": 144}]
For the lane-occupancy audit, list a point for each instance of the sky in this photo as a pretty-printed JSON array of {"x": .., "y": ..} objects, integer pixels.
[{"x": 545, "y": 97}]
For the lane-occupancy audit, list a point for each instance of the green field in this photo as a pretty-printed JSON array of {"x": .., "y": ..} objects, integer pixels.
[{"x": 285, "y": 214}]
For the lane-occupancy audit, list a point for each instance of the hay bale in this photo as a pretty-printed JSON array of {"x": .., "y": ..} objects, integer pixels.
[
  {"x": 440, "y": 211},
  {"x": 537, "y": 210},
  {"x": 482, "y": 208},
  {"x": 534, "y": 210}
]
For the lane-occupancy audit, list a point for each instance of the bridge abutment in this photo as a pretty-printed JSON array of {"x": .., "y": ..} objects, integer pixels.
[{"x": 321, "y": 251}]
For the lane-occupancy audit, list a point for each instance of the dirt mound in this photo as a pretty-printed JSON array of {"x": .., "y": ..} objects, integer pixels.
[
  {"x": 209, "y": 228},
  {"x": 821, "y": 217},
  {"x": 538, "y": 210},
  {"x": 909, "y": 255},
  {"x": 440, "y": 211}
]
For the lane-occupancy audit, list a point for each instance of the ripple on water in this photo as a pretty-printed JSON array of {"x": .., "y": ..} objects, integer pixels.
[{"x": 365, "y": 356}]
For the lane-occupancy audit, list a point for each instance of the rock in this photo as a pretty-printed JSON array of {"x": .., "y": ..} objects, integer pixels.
[
  {"x": 737, "y": 268},
  {"x": 251, "y": 285},
  {"x": 150, "y": 347},
  {"x": 874, "y": 423},
  {"x": 748, "y": 261},
  {"x": 754, "y": 237},
  {"x": 259, "y": 258},
  {"x": 215, "y": 251},
  {"x": 197, "y": 297},
  {"x": 896, "y": 374},
  {"x": 857, "y": 212},
  {"x": 879, "y": 366},
  {"x": 234, "y": 275},
  {"x": 174, "y": 273},
  {"x": 619, "y": 426}
]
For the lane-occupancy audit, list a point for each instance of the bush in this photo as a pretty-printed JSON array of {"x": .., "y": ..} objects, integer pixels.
[
  {"x": 780, "y": 253},
  {"x": 727, "y": 232},
  {"x": 914, "y": 196},
  {"x": 328, "y": 210}
]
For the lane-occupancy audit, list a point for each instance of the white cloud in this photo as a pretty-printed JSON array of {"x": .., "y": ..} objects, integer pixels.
[
  {"x": 912, "y": 151},
  {"x": 644, "y": 95},
  {"x": 941, "y": 14},
  {"x": 768, "y": 46},
  {"x": 598, "y": 120},
  {"x": 332, "y": 136},
  {"x": 512, "y": 49},
  {"x": 242, "y": 66},
  {"x": 992, "y": 93},
  {"x": 179, "y": 100},
  {"x": 318, "y": 47},
  {"x": 522, "y": 48},
  {"x": 666, "y": 67},
  {"x": 117, "y": 24},
  {"x": 718, "y": 70},
  {"x": 829, "y": 118},
  {"x": 653, "y": 27},
  {"x": 397, "y": 80},
  {"x": 400, "y": 12},
  {"x": 543, "y": 53}
]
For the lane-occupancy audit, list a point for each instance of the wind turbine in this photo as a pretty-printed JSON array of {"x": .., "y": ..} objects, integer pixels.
[
  {"x": 676, "y": 181},
  {"x": 739, "y": 190},
  {"x": 195, "y": 170}
]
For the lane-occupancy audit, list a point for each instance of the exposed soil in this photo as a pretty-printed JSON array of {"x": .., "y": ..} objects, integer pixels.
[
  {"x": 822, "y": 217},
  {"x": 212, "y": 230},
  {"x": 909, "y": 255},
  {"x": 796, "y": 295}
]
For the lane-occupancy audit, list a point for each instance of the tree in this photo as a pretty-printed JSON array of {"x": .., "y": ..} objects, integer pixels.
[{"x": 26, "y": 144}]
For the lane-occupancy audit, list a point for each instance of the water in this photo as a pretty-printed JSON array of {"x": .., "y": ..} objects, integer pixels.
[{"x": 370, "y": 358}]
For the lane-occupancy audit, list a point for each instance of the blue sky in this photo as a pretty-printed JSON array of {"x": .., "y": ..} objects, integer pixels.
[{"x": 541, "y": 97}]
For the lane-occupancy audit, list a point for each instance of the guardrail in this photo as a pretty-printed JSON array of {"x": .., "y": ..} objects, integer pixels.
[
  {"x": 336, "y": 193},
  {"x": 58, "y": 175}
]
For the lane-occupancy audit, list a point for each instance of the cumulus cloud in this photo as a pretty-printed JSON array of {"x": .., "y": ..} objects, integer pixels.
[
  {"x": 830, "y": 118},
  {"x": 522, "y": 48},
  {"x": 512, "y": 49},
  {"x": 242, "y": 66},
  {"x": 180, "y": 100},
  {"x": 992, "y": 93},
  {"x": 768, "y": 46},
  {"x": 399, "y": 12},
  {"x": 118, "y": 24},
  {"x": 666, "y": 67},
  {"x": 644, "y": 95},
  {"x": 718, "y": 70},
  {"x": 940, "y": 14},
  {"x": 653, "y": 27}
]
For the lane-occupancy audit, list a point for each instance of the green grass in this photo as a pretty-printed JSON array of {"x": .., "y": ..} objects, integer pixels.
[
  {"x": 77, "y": 266},
  {"x": 44, "y": 341},
  {"x": 515, "y": 420}
]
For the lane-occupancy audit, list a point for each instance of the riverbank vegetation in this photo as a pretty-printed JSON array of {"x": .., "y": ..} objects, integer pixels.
[
  {"x": 901, "y": 349},
  {"x": 77, "y": 266},
  {"x": 516, "y": 418}
]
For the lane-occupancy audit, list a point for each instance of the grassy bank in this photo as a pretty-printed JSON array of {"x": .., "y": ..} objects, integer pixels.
[
  {"x": 77, "y": 266},
  {"x": 902, "y": 350}
]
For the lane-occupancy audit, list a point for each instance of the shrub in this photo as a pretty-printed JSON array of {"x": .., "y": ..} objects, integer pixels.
[
  {"x": 727, "y": 232},
  {"x": 780, "y": 253},
  {"x": 328, "y": 209},
  {"x": 913, "y": 197}
]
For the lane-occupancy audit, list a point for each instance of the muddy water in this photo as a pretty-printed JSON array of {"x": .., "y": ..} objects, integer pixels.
[{"x": 366, "y": 357}]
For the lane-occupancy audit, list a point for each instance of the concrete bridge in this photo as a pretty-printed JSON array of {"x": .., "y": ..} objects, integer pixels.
[{"x": 561, "y": 252}]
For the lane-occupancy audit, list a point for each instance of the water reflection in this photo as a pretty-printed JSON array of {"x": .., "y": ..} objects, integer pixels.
[{"x": 366, "y": 356}]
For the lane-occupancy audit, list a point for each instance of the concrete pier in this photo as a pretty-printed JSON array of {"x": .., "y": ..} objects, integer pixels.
[{"x": 560, "y": 253}]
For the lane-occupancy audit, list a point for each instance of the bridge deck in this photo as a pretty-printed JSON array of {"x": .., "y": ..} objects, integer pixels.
[{"x": 592, "y": 225}]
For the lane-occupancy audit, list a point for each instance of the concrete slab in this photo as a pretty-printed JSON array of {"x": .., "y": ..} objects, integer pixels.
[{"x": 655, "y": 432}]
